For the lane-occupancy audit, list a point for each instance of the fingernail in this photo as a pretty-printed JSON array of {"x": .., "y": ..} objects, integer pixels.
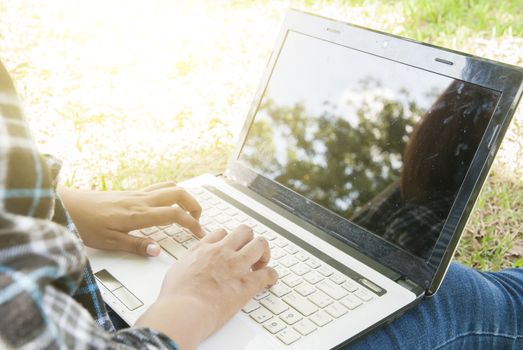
[
  {"x": 152, "y": 249},
  {"x": 199, "y": 231}
]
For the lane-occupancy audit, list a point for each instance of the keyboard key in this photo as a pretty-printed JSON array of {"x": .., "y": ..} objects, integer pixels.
[
  {"x": 274, "y": 304},
  {"x": 231, "y": 225},
  {"x": 242, "y": 218},
  {"x": 338, "y": 279},
  {"x": 313, "y": 263},
  {"x": 205, "y": 220},
  {"x": 291, "y": 249},
  {"x": 313, "y": 277},
  {"x": 280, "y": 289},
  {"x": 274, "y": 325},
  {"x": 259, "y": 229},
  {"x": 332, "y": 289},
  {"x": 280, "y": 242},
  {"x": 292, "y": 280},
  {"x": 325, "y": 270},
  {"x": 305, "y": 289},
  {"x": 269, "y": 235},
  {"x": 182, "y": 236},
  {"x": 172, "y": 230},
  {"x": 213, "y": 227},
  {"x": 212, "y": 212},
  {"x": 321, "y": 299},
  {"x": 282, "y": 271},
  {"x": 351, "y": 301},
  {"x": 301, "y": 256},
  {"x": 197, "y": 191},
  {"x": 304, "y": 306},
  {"x": 222, "y": 206},
  {"x": 251, "y": 223},
  {"x": 261, "y": 314},
  {"x": 250, "y": 306},
  {"x": 350, "y": 285},
  {"x": 206, "y": 205},
  {"x": 300, "y": 269},
  {"x": 188, "y": 244},
  {"x": 320, "y": 318},
  {"x": 305, "y": 327},
  {"x": 262, "y": 294},
  {"x": 172, "y": 247},
  {"x": 364, "y": 294},
  {"x": 149, "y": 230},
  {"x": 336, "y": 310},
  {"x": 288, "y": 261},
  {"x": 205, "y": 195},
  {"x": 277, "y": 253},
  {"x": 158, "y": 236},
  {"x": 288, "y": 336},
  {"x": 231, "y": 212},
  {"x": 214, "y": 201},
  {"x": 291, "y": 316},
  {"x": 136, "y": 233},
  {"x": 222, "y": 219}
]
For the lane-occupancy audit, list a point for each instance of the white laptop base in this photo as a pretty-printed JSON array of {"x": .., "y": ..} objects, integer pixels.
[{"x": 334, "y": 311}]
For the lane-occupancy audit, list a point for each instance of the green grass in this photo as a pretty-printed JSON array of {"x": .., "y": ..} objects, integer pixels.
[
  {"x": 444, "y": 20},
  {"x": 129, "y": 93},
  {"x": 494, "y": 238}
]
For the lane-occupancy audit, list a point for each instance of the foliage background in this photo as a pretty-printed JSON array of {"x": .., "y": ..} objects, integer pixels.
[{"x": 132, "y": 92}]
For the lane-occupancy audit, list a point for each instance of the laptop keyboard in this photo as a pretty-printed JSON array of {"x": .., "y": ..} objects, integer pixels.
[{"x": 309, "y": 294}]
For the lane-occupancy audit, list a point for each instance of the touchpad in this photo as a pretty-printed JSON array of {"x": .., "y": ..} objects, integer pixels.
[{"x": 132, "y": 279}]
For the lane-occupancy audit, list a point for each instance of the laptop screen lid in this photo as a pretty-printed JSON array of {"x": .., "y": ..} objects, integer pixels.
[{"x": 381, "y": 142}]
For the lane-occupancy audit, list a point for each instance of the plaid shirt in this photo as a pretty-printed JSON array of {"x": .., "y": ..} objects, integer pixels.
[
  {"x": 48, "y": 295},
  {"x": 410, "y": 225}
]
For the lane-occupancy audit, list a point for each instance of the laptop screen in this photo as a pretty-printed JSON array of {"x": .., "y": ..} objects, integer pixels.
[{"x": 382, "y": 144}]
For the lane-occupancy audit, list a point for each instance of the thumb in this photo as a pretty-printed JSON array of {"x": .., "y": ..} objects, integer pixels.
[{"x": 137, "y": 245}]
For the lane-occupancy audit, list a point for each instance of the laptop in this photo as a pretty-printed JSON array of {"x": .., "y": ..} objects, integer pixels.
[{"x": 360, "y": 161}]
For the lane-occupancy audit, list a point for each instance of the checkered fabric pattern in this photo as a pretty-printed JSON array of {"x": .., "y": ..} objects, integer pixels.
[
  {"x": 48, "y": 295},
  {"x": 410, "y": 225}
]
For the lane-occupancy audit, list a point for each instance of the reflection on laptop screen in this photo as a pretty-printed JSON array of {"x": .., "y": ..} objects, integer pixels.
[{"x": 382, "y": 144}]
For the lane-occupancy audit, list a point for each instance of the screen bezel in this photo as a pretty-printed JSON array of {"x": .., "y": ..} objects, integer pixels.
[{"x": 493, "y": 75}]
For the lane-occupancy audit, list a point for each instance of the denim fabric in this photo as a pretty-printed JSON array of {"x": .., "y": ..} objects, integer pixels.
[{"x": 472, "y": 310}]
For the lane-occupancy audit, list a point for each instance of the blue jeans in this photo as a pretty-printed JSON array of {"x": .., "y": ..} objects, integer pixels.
[{"x": 472, "y": 310}]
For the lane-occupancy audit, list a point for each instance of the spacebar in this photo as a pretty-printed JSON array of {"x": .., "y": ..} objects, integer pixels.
[{"x": 172, "y": 247}]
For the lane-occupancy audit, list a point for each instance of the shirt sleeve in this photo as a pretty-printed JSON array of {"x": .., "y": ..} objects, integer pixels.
[{"x": 40, "y": 266}]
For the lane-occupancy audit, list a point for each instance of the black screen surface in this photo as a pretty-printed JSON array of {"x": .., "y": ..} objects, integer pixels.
[{"x": 380, "y": 143}]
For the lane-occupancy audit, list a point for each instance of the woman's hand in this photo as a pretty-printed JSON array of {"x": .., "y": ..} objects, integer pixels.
[
  {"x": 104, "y": 219},
  {"x": 207, "y": 286}
]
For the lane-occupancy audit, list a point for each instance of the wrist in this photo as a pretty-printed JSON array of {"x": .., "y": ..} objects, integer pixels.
[
  {"x": 183, "y": 319},
  {"x": 67, "y": 195}
]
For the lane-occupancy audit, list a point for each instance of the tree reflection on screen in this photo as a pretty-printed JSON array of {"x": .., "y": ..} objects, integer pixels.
[{"x": 340, "y": 162}]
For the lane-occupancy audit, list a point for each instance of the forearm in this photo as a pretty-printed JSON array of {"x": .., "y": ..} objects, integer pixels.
[{"x": 71, "y": 198}]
